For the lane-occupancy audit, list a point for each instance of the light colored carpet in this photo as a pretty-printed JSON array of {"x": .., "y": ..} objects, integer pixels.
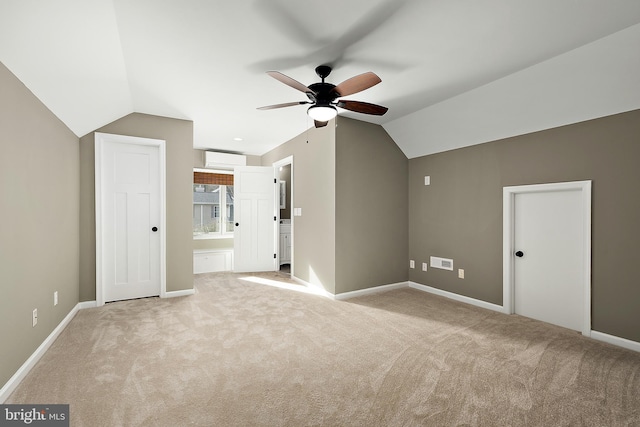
[{"x": 240, "y": 353}]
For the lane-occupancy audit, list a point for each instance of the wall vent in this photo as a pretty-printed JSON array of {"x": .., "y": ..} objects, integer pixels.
[{"x": 443, "y": 263}]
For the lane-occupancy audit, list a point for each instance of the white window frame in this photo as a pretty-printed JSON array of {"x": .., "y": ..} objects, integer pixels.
[{"x": 223, "y": 210}]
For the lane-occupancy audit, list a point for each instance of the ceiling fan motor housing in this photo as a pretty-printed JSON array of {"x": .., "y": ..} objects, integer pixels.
[{"x": 323, "y": 93}]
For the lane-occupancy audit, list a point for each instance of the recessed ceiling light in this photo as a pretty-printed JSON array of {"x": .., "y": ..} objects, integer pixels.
[{"x": 237, "y": 139}]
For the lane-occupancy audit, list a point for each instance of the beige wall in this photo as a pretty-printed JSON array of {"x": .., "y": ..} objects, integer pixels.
[
  {"x": 39, "y": 181},
  {"x": 351, "y": 182},
  {"x": 178, "y": 135},
  {"x": 371, "y": 207},
  {"x": 460, "y": 215},
  {"x": 314, "y": 191},
  {"x": 254, "y": 160},
  {"x": 213, "y": 244}
]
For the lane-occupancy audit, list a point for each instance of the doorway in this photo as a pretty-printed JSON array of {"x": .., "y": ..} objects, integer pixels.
[
  {"x": 547, "y": 253},
  {"x": 284, "y": 171},
  {"x": 130, "y": 217}
]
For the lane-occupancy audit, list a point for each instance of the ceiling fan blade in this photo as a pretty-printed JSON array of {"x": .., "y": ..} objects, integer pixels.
[
  {"x": 289, "y": 81},
  {"x": 362, "y": 107},
  {"x": 357, "y": 84},
  {"x": 286, "y": 104},
  {"x": 319, "y": 124}
]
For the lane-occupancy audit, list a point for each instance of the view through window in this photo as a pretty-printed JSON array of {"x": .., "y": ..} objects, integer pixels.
[{"x": 212, "y": 206}]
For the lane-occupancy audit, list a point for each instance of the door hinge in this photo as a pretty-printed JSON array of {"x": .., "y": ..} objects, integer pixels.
[
  {"x": 274, "y": 256},
  {"x": 275, "y": 181},
  {"x": 275, "y": 219}
]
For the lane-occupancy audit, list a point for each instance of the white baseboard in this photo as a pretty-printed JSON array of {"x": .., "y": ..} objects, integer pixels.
[
  {"x": 610, "y": 339},
  {"x": 317, "y": 289},
  {"x": 22, "y": 372},
  {"x": 182, "y": 293},
  {"x": 369, "y": 291},
  {"x": 457, "y": 297},
  {"x": 87, "y": 304},
  {"x": 620, "y": 342}
]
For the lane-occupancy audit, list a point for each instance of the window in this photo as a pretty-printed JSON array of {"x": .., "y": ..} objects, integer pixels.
[{"x": 212, "y": 205}]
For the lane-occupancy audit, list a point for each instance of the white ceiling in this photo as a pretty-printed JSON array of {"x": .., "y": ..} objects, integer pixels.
[{"x": 94, "y": 61}]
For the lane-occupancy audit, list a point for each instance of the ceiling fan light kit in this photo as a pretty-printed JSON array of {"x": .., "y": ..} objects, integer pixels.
[
  {"x": 323, "y": 96},
  {"x": 322, "y": 113}
]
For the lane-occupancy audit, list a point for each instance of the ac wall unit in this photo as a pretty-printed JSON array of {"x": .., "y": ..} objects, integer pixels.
[{"x": 215, "y": 160}]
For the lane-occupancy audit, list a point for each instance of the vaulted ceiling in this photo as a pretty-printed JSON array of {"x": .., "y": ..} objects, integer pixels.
[{"x": 93, "y": 61}]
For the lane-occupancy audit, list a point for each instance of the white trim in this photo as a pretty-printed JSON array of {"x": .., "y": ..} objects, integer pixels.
[
  {"x": 457, "y": 297},
  {"x": 620, "y": 342},
  {"x": 98, "y": 213},
  {"x": 319, "y": 289},
  {"x": 370, "y": 291},
  {"x": 100, "y": 139},
  {"x": 87, "y": 304},
  {"x": 508, "y": 235},
  {"x": 223, "y": 172},
  {"x": 213, "y": 236},
  {"x": 22, "y": 372},
  {"x": 283, "y": 162},
  {"x": 182, "y": 293}
]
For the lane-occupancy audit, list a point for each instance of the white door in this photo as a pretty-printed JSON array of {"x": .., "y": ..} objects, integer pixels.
[
  {"x": 548, "y": 264},
  {"x": 128, "y": 218},
  {"x": 255, "y": 217}
]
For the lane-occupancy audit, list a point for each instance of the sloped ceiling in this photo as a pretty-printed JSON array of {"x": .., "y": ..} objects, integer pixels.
[{"x": 453, "y": 73}]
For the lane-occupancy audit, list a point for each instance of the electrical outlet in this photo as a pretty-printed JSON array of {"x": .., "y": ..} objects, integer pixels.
[
  {"x": 412, "y": 264},
  {"x": 424, "y": 266},
  {"x": 461, "y": 273},
  {"x": 55, "y": 298},
  {"x": 34, "y": 318}
]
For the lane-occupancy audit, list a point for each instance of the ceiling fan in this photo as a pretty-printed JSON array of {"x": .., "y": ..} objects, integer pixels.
[{"x": 323, "y": 97}]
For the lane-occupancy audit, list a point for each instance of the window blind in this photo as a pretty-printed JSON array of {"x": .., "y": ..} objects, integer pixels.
[{"x": 212, "y": 178}]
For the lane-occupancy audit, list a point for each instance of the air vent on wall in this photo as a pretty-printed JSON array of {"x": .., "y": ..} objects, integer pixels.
[
  {"x": 443, "y": 263},
  {"x": 216, "y": 160}
]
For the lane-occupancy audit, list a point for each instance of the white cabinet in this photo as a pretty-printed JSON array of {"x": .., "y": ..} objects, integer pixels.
[{"x": 285, "y": 241}]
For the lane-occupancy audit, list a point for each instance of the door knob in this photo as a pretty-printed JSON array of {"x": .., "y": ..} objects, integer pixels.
[
  {"x": 519, "y": 254},
  {"x": 237, "y": 224},
  {"x": 154, "y": 229}
]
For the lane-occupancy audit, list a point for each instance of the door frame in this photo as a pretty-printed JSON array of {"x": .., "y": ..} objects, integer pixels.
[
  {"x": 508, "y": 242},
  {"x": 283, "y": 162},
  {"x": 101, "y": 139}
]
